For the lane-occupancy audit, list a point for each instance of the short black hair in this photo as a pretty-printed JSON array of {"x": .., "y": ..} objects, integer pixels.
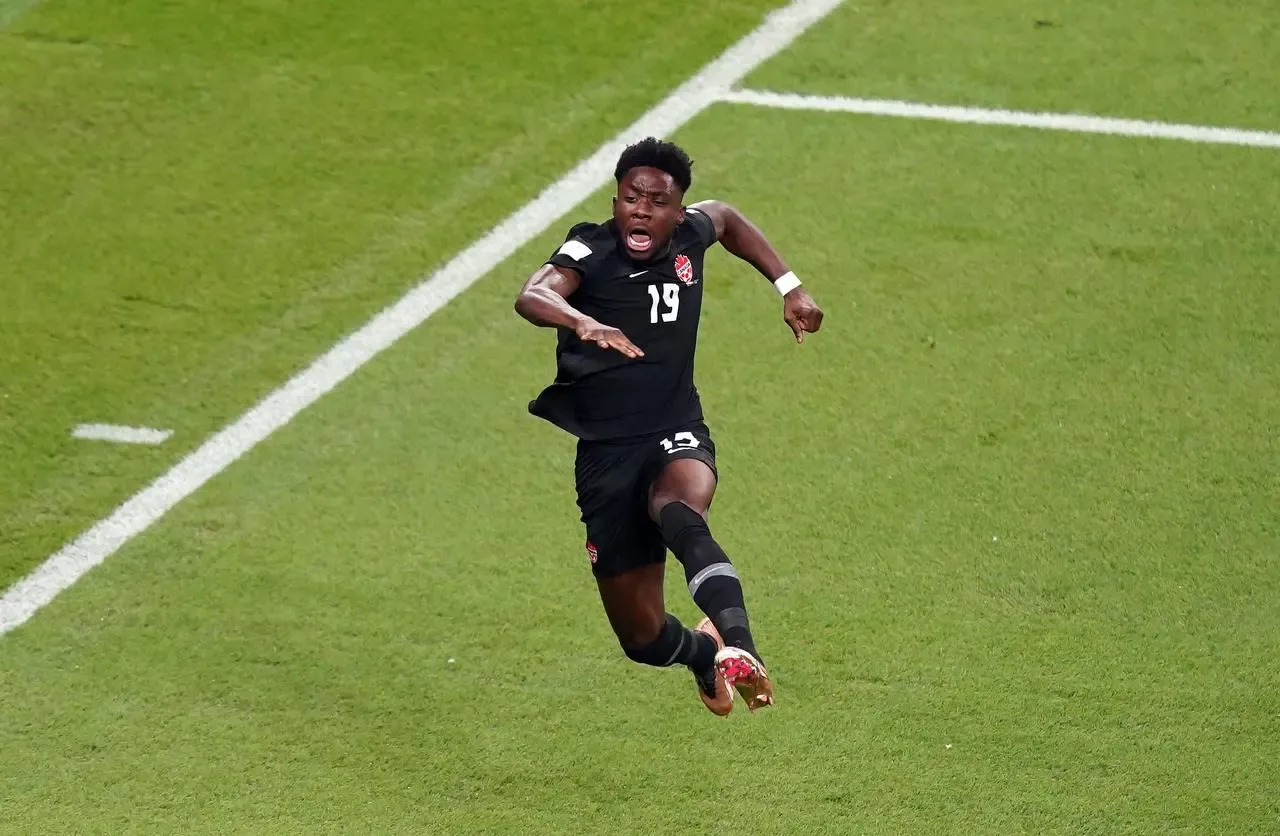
[{"x": 652, "y": 152}]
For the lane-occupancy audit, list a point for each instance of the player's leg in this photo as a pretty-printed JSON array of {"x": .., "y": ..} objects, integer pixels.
[
  {"x": 679, "y": 499},
  {"x": 628, "y": 561},
  {"x": 633, "y": 602},
  {"x": 649, "y": 635}
]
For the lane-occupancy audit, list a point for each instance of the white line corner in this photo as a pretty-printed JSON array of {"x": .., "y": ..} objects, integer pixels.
[{"x": 66, "y": 566}]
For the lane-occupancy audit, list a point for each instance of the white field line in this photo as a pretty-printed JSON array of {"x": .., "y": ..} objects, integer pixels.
[
  {"x": 1078, "y": 122},
  {"x": 121, "y": 435},
  {"x": 73, "y": 560}
]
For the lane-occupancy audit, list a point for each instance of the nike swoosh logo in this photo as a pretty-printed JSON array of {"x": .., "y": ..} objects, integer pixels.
[{"x": 641, "y": 273}]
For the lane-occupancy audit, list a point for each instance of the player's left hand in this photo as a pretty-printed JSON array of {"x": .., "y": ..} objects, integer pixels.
[{"x": 801, "y": 313}]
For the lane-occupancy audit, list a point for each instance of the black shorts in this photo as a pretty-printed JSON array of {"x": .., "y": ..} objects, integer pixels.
[{"x": 613, "y": 479}]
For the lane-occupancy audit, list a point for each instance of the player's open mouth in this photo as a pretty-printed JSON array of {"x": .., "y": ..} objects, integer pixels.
[{"x": 638, "y": 241}]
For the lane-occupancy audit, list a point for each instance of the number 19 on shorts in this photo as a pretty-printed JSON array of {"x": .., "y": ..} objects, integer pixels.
[{"x": 669, "y": 298}]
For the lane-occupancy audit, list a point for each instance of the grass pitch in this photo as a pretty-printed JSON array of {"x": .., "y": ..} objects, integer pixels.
[{"x": 1007, "y": 526}]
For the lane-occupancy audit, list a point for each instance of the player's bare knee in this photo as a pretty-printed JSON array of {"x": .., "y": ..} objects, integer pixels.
[
  {"x": 661, "y": 500},
  {"x": 691, "y": 481}
]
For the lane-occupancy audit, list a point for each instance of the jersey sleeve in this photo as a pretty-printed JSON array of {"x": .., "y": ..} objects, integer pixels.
[
  {"x": 703, "y": 225},
  {"x": 575, "y": 250}
]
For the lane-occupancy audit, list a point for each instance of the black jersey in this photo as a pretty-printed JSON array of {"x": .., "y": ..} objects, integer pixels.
[{"x": 601, "y": 393}]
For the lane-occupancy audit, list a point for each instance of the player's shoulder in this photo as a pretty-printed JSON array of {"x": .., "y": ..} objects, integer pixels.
[
  {"x": 586, "y": 239},
  {"x": 697, "y": 229},
  {"x": 588, "y": 248}
]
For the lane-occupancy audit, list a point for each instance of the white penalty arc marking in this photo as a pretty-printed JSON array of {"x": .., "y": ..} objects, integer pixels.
[
  {"x": 63, "y": 568},
  {"x": 1077, "y": 122},
  {"x": 120, "y": 434}
]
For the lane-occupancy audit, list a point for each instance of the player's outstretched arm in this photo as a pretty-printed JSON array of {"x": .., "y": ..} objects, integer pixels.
[
  {"x": 543, "y": 300},
  {"x": 744, "y": 239}
]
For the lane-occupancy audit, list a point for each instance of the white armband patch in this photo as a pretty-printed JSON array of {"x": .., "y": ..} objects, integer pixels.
[{"x": 575, "y": 249}]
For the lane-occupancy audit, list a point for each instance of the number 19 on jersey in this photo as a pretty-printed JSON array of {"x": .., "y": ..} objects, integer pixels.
[{"x": 669, "y": 296}]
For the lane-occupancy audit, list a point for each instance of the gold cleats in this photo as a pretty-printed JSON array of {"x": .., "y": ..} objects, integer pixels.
[
  {"x": 722, "y": 703},
  {"x": 746, "y": 675}
]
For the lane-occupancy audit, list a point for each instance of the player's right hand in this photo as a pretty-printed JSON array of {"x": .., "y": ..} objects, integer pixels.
[{"x": 606, "y": 337}]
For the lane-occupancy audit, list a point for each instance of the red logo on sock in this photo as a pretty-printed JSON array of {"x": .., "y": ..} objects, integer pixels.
[{"x": 591, "y": 551}]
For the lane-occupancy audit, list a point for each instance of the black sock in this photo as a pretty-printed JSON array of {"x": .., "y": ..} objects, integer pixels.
[
  {"x": 713, "y": 582},
  {"x": 702, "y": 650},
  {"x": 676, "y": 644}
]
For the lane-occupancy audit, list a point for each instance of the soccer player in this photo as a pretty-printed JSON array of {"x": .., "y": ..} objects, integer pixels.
[{"x": 625, "y": 296}]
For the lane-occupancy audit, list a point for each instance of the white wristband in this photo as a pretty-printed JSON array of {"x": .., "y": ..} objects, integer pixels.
[{"x": 786, "y": 283}]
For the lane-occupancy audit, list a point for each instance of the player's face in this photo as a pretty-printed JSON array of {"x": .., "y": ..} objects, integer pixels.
[{"x": 647, "y": 210}]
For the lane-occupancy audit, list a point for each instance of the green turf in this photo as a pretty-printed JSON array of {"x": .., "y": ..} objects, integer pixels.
[
  {"x": 10, "y": 9},
  {"x": 196, "y": 199},
  {"x": 1008, "y": 530},
  {"x": 1015, "y": 502},
  {"x": 1184, "y": 60}
]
